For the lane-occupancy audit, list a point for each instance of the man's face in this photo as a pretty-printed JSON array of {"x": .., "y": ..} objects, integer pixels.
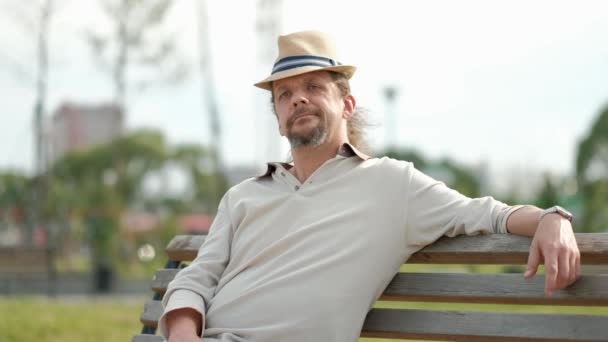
[{"x": 308, "y": 108}]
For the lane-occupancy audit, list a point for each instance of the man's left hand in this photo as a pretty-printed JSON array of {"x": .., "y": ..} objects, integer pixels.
[{"x": 554, "y": 242}]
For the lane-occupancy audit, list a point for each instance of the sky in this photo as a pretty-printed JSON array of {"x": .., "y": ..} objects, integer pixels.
[{"x": 510, "y": 84}]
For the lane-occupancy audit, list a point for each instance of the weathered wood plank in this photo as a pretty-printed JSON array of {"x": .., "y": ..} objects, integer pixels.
[
  {"x": 24, "y": 260},
  {"x": 147, "y": 338},
  {"x": 494, "y": 289},
  {"x": 472, "y": 288},
  {"x": 162, "y": 278},
  {"x": 483, "y": 326},
  {"x": 153, "y": 309},
  {"x": 503, "y": 249},
  {"x": 483, "y": 249},
  {"x": 465, "y": 326},
  {"x": 184, "y": 247}
]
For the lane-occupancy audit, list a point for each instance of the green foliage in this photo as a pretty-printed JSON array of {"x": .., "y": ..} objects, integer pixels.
[
  {"x": 130, "y": 266},
  {"x": 93, "y": 188},
  {"x": 595, "y": 210},
  {"x": 209, "y": 185},
  {"x": 410, "y": 155},
  {"x": 455, "y": 175},
  {"x": 589, "y": 310},
  {"x": 463, "y": 178},
  {"x": 14, "y": 196},
  {"x": 593, "y": 150},
  {"x": 110, "y": 173},
  {"x": 13, "y": 188},
  {"x": 549, "y": 194},
  {"x": 42, "y": 319},
  {"x": 510, "y": 198},
  {"x": 592, "y": 174},
  {"x": 97, "y": 184}
]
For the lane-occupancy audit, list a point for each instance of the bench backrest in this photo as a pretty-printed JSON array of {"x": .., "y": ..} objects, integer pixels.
[
  {"x": 24, "y": 260},
  {"x": 446, "y": 287}
]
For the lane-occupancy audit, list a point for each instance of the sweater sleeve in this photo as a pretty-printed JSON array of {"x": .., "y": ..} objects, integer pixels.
[
  {"x": 194, "y": 286},
  {"x": 433, "y": 210}
]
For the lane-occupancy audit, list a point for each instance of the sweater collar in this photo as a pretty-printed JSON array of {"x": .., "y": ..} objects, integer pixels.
[{"x": 346, "y": 150}]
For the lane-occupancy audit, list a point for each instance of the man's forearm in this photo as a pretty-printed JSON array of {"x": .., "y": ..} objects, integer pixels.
[
  {"x": 524, "y": 221},
  {"x": 183, "y": 322}
]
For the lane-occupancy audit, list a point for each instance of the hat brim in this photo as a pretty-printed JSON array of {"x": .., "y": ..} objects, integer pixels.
[{"x": 347, "y": 70}]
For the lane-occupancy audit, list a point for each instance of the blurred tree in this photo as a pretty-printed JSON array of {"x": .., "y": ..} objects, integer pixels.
[
  {"x": 14, "y": 199},
  {"x": 463, "y": 179},
  {"x": 209, "y": 94},
  {"x": 592, "y": 174},
  {"x": 34, "y": 18},
  {"x": 407, "y": 155},
  {"x": 99, "y": 183},
  {"x": 455, "y": 175},
  {"x": 208, "y": 185},
  {"x": 512, "y": 197},
  {"x": 137, "y": 43},
  {"x": 549, "y": 193}
]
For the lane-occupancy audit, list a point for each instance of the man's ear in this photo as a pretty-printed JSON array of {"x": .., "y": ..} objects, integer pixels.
[{"x": 349, "y": 106}]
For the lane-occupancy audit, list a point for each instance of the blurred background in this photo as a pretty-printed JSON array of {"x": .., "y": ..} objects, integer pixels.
[{"x": 123, "y": 122}]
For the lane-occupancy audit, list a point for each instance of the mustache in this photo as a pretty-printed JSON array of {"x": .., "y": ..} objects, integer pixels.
[{"x": 302, "y": 111}]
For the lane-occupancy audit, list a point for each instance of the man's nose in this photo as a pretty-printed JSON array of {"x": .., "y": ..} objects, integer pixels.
[{"x": 299, "y": 99}]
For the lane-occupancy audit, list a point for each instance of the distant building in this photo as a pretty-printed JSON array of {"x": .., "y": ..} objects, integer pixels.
[{"x": 78, "y": 126}]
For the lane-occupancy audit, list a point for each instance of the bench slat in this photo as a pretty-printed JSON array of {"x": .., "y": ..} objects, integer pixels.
[
  {"x": 153, "y": 309},
  {"x": 472, "y": 288},
  {"x": 147, "y": 338},
  {"x": 483, "y": 326},
  {"x": 483, "y": 249},
  {"x": 503, "y": 249},
  {"x": 161, "y": 279},
  {"x": 23, "y": 260},
  {"x": 184, "y": 247},
  {"x": 464, "y": 326},
  {"x": 494, "y": 289}
]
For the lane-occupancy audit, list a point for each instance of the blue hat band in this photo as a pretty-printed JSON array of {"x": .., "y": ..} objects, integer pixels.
[{"x": 300, "y": 61}]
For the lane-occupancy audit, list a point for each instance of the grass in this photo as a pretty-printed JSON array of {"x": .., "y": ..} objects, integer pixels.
[
  {"x": 586, "y": 310},
  {"x": 72, "y": 320}
]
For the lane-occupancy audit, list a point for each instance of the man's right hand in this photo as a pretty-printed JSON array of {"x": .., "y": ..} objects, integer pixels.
[{"x": 184, "y": 325}]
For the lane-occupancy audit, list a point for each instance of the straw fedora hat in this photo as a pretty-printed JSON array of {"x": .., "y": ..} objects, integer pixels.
[{"x": 303, "y": 52}]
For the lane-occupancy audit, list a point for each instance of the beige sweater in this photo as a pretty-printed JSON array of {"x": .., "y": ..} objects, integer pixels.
[{"x": 286, "y": 261}]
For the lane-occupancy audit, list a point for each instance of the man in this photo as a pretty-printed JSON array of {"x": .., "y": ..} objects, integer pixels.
[{"x": 302, "y": 252}]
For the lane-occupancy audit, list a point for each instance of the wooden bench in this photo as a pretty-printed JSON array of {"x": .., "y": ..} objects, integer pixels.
[
  {"x": 591, "y": 290},
  {"x": 25, "y": 269}
]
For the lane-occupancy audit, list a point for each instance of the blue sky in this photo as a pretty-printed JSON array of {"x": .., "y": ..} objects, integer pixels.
[{"x": 514, "y": 84}]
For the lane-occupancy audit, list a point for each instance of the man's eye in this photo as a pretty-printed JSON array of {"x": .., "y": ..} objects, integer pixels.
[
  {"x": 312, "y": 87},
  {"x": 283, "y": 95}
]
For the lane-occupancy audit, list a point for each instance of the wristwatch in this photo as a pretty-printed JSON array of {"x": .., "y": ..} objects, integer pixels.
[{"x": 558, "y": 210}]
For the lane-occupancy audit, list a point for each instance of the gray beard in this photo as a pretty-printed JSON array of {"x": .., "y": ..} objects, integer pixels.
[{"x": 315, "y": 138}]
